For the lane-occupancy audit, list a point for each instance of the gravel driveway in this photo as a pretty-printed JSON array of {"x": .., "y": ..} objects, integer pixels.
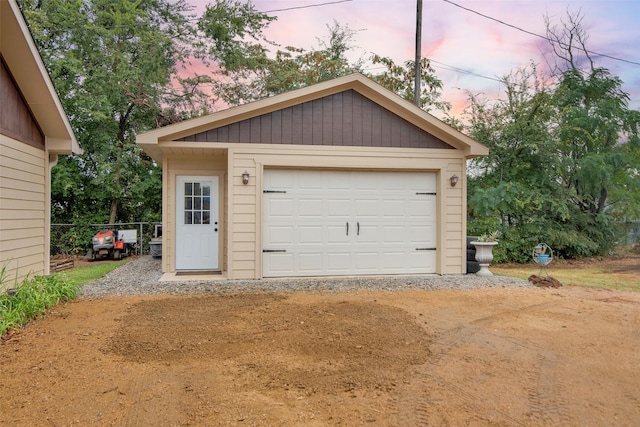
[{"x": 142, "y": 277}]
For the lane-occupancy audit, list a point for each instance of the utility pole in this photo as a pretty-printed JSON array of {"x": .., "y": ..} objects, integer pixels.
[{"x": 416, "y": 92}]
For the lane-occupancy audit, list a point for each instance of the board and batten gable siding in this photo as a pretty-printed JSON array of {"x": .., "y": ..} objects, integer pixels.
[
  {"x": 23, "y": 208},
  {"x": 16, "y": 120},
  {"x": 342, "y": 119}
]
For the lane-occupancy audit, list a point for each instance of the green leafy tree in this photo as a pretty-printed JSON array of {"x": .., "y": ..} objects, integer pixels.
[
  {"x": 512, "y": 189},
  {"x": 401, "y": 80},
  {"x": 116, "y": 65},
  {"x": 294, "y": 68},
  {"x": 291, "y": 68},
  {"x": 564, "y": 157},
  {"x": 598, "y": 141}
]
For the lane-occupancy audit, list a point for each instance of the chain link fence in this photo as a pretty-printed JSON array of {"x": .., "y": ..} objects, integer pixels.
[
  {"x": 76, "y": 239},
  {"x": 631, "y": 233}
]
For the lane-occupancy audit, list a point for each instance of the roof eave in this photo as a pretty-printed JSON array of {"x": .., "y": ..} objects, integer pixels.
[
  {"x": 365, "y": 86},
  {"x": 34, "y": 81}
]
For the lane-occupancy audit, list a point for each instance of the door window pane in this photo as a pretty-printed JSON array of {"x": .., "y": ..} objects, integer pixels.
[{"x": 197, "y": 203}]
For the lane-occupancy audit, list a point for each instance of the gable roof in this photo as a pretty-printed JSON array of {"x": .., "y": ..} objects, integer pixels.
[
  {"x": 152, "y": 141},
  {"x": 27, "y": 68}
]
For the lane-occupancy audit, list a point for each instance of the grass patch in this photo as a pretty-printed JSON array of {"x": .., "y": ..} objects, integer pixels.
[
  {"x": 32, "y": 298},
  {"x": 88, "y": 273},
  {"x": 35, "y": 295},
  {"x": 591, "y": 277}
]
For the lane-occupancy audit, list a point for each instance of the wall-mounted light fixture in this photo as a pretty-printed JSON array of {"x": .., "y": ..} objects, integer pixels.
[
  {"x": 454, "y": 180},
  {"x": 245, "y": 177}
]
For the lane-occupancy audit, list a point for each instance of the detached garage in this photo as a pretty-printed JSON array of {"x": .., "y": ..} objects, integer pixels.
[{"x": 339, "y": 178}]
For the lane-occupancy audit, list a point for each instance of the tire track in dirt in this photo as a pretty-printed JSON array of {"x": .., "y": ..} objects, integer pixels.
[
  {"x": 136, "y": 392},
  {"x": 546, "y": 403},
  {"x": 428, "y": 398},
  {"x": 148, "y": 398}
]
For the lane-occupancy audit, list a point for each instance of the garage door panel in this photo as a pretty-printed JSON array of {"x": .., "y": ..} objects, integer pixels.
[
  {"x": 310, "y": 235},
  {"x": 420, "y": 235},
  {"x": 279, "y": 235},
  {"x": 339, "y": 262},
  {"x": 366, "y": 261},
  {"x": 316, "y": 223},
  {"x": 280, "y": 208},
  {"x": 421, "y": 207},
  {"x": 310, "y": 208},
  {"x": 337, "y": 234},
  {"x": 367, "y": 208},
  {"x": 416, "y": 261},
  {"x": 394, "y": 260},
  {"x": 339, "y": 208},
  {"x": 279, "y": 263},
  {"x": 278, "y": 180},
  {"x": 310, "y": 263},
  {"x": 394, "y": 234},
  {"x": 336, "y": 181},
  {"x": 365, "y": 182},
  {"x": 393, "y": 208}
]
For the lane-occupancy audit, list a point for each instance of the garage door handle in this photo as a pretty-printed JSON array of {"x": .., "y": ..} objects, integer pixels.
[
  {"x": 358, "y": 233},
  {"x": 347, "y": 228}
]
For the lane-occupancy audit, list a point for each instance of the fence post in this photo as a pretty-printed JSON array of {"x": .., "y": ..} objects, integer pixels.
[{"x": 140, "y": 250}]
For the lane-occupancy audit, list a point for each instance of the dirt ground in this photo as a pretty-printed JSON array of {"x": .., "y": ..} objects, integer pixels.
[{"x": 500, "y": 357}]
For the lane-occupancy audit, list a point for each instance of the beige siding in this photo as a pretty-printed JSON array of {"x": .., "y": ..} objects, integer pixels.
[
  {"x": 245, "y": 218},
  {"x": 453, "y": 220},
  {"x": 23, "y": 208},
  {"x": 243, "y": 236}
]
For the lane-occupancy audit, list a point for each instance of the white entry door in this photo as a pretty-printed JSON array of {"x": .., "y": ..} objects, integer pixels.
[
  {"x": 323, "y": 223},
  {"x": 197, "y": 223}
]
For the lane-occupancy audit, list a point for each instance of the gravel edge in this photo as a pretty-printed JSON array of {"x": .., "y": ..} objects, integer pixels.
[{"x": 142, "y": 277}]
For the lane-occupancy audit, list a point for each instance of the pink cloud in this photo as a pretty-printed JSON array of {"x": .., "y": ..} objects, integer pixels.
[{"x": 460, "y": 38}]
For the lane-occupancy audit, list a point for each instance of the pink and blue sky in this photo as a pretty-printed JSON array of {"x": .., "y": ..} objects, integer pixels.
[{"x": 456, "y": 39}]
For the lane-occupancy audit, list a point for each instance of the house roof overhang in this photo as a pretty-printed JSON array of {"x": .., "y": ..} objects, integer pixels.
[
  {"x": 27, "y": 68},
  {"x": 152, "y": 141}
]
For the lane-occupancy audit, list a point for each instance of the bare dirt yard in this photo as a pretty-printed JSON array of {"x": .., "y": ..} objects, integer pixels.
[{"x": 500, "y": 357}]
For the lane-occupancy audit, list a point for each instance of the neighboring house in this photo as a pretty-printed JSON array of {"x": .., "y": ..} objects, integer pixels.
[
  {"x": 34, "y": 130},
  {"x": 340, "y": 178}
]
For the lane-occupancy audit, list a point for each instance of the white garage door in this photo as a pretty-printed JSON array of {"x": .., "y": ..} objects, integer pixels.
[{"x": 325, "y": 223}]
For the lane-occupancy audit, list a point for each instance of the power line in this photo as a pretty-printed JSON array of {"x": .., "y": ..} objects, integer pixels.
[
  {"x": 538, "y": 35},
  {"x": 463, "y": 71},
  {"x": 307, "y": 6}
]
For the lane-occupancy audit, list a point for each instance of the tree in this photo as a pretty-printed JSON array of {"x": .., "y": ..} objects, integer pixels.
[
  {"x": 512, "y": 189},
  {"x": 294, "y": 68},
  {"x": 598, "y": 138},
  {"x": 291, "y": 68},
  {"x": 401, "y": 80},
  {"x": 564, "y": 160},
  {"x": 115, "y": 64}
]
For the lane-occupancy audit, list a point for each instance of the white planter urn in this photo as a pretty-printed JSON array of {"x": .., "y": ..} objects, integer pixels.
[{"x": 484, "y": 256}]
